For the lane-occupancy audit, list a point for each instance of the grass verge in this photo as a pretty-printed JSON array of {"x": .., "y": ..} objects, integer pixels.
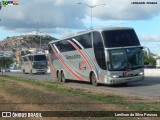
[{"x": 58, "y": 87}]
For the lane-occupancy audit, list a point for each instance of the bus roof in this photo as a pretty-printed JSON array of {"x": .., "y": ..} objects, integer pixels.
[{"x": 91, "y": 30}]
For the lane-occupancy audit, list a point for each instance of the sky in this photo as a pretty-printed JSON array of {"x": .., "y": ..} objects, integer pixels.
[{"x": 60, "y": 18}]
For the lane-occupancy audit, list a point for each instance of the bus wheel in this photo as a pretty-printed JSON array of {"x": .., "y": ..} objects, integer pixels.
[
  {"x": 59, "y": 77},
  {"x": 31, "y": 72},
  {"x": 63, "y": 77},
  {"x": 24, "y": 71},
  {"x": 94, "y": 80}
]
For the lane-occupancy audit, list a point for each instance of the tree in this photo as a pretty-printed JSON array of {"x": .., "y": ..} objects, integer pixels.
[
  {"x": 5, "y": 62},
  {"x": 149, "y": 60},
  {"x": 13, "y": 50}
]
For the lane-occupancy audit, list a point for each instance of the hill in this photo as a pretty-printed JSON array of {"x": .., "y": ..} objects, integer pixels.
[{"x": 26, "y": 41}]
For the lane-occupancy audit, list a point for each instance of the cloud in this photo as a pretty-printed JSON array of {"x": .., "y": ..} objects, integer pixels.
[
  {"x": 50, "y": 13},
  {"x": 63, "y": 32},
  {"x": 152, "y": 38},
  {"x": 67, "y": 14},
  {"x": 124, "y": 10}
]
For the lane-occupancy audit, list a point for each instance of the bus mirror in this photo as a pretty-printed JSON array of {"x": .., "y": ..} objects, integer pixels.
[
  {"x": 142, "y": 47},
  {"x": 32, "y": 63}
]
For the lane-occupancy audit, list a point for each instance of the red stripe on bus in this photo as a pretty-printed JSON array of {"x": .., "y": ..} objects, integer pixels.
[
  {"x": 73, "y": 73},
  {"x": 84, "y": 57}
]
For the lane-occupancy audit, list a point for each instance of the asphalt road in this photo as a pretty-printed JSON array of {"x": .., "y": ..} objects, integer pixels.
[{"x": 149, "y": 87}]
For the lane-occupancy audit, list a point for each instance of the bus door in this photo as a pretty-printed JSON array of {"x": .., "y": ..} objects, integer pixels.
[{"x": 99, "y": 53}]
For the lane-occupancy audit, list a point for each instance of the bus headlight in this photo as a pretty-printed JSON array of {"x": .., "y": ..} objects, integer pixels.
[
  {"x": 115, "y": 75},
  {"x": 141, "y": 73}
]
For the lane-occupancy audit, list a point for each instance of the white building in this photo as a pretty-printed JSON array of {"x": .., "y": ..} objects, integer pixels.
[{"x": 158, "y": 61}]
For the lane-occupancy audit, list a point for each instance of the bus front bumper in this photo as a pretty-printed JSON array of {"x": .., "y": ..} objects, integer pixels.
[
  {"x": 125, "y": 80},
  {"x": 39, "y": 71}
]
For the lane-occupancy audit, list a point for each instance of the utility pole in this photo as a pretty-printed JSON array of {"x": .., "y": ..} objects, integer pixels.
[
  {"x": 40, "y": 41},
  {"x": 37, "y": 28}
]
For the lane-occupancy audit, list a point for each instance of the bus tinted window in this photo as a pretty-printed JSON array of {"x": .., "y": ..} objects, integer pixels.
[
  {"x": 97, "y": 40},
  {"x": 64, "y": 46},
  {"x": 58, "y": 45},
  {"x": 85, "y": 40},
  {"x": 120, "y": 38},
  {"x": 50, "y": 49},
  {"x": 129, "y": 58},
  {"x": 39, "y": 57}
]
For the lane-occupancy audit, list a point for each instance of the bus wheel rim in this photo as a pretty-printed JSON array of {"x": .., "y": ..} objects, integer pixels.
[{"x": 94, "y": 81}]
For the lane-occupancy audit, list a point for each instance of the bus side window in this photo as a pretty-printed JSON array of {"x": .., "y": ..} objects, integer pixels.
[
  {"x": 64, "y": 46},
  {"x": 49, "y": 48},
  {"x": 58, "y": 44},
  {"x": 85, "y": 40},
  {"x": 97, "y": 40},
  {"x": 79, "y": 39}
]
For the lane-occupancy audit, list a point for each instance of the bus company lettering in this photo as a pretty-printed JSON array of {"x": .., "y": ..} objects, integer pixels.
[
  {"x": 82, "y": 65},
  {"x": 73, "y": 57}
]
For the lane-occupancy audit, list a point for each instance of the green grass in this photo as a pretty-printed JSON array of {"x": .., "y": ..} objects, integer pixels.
[
  {"x": 144, "y": 106},
  {"x": 57, "y": 87},
  {"x": 14, "y": 88}
]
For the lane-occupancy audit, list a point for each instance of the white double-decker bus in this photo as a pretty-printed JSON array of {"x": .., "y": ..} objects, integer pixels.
[
  {"x": 34, "y": 63},
  {"x": 108, "y": 56}
]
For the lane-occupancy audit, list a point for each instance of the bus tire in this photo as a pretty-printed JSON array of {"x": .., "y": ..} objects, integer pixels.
[
  {"x": 63, "y": 79},
  {"x": 59, "y": 77},
  {"x": 24, "y": 71},
  {"x": 31, "y": 72},
  {"x": 94, "y": 79}
]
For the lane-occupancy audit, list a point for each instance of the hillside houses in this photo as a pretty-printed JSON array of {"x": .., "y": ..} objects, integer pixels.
[{"x": 25, "y": 41}]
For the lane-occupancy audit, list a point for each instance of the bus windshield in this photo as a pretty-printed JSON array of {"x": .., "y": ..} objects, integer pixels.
[
  {"x": 120, "y": 38},
  {"x": 39, "y": 57},
  {"x": 128, "y": 58},
  {"x": 40, "y": 64}
]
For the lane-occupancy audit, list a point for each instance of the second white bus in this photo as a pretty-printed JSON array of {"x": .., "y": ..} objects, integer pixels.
[{"x": 34, "y": 63}]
